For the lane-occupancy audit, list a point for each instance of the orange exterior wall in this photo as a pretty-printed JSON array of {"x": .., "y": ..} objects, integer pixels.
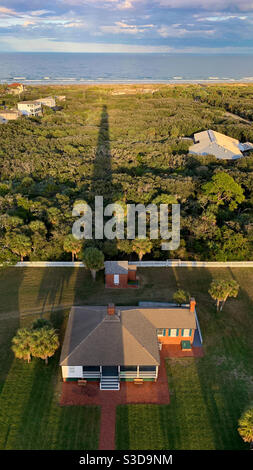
[
  {"x": 109, "y": 281},
  {"x": 176, "y": 339}
]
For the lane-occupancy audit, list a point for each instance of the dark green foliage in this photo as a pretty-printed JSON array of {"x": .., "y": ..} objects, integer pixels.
[{"x": 129, "y": 148}]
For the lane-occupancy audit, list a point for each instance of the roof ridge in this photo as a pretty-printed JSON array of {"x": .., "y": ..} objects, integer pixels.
[
  {"x": 83, "y": 340},
  {"x": 136, "y": 339}
]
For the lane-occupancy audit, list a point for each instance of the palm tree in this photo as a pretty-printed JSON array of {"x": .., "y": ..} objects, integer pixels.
[
  {"x": 21, "y": 344},
  {"x": 245, "y": 428},
  {"x": 19, "y": 244},
  {"x": 94, "y": 260},
  {"x": 142, "y": 246},
  {"x": 72, "y": 245},
  {"x": 221, "y": 289},
  {"x": 45, "y": 342}
]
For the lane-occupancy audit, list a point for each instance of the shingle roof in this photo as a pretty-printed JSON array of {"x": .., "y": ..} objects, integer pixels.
[
  {"x": 127, "y": 338},
  {"x": 116, "y": 267}
]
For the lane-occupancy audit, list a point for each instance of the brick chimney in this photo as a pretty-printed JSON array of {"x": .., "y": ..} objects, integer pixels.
[
  {"x": 192, "y": 304},
  {"x": 110, "y": 309}
]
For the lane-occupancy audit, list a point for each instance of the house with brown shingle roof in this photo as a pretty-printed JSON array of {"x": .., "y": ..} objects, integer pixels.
[{"x": 113, "y": 344}]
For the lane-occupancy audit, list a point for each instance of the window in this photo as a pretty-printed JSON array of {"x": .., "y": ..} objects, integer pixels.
[
  {"x": 173, "y": 332},
  {"x": 116, "y": 279},
  {"x": 72, "y": 369},
  {"x": 161, "y": 331},
  {"x": 186, "y": 332}
]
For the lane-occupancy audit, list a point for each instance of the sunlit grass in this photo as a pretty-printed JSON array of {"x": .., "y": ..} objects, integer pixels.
[{"x": 30, "y": 415}]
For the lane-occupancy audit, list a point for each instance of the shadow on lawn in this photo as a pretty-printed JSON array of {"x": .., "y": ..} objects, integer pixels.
[
  {"x": 39, "y": 421},
  {"x": 223, "y": 389},
  {"x": 52, "y": 290},
  {"x": 9, "y": 326}
]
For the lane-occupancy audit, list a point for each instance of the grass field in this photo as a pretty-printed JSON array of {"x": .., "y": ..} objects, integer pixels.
[
  {"x": 30, "y": 416},
  {"x": 207, "y": 394}
]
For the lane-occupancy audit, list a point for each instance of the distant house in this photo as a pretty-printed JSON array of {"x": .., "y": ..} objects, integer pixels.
[
  {"x": 221, "y": 146},
  {"x": 110, "y": 345},
  {"x": 16, "y": 88},
  {"x": 48, "y": 101},
  {"x": 119, "y": 273},
  {"x": 30, "y": 108},
  {"x": 9, "y": 114}
]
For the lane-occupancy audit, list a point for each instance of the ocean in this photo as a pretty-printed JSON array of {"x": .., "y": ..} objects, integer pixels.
[{"x": 78, "y": 68}]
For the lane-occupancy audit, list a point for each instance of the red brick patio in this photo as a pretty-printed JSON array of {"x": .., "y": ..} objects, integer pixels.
[{"x": 149, "y": 392}]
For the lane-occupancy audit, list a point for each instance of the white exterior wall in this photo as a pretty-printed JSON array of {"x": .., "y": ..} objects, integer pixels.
[
  {"x": 31, "y": 108},
  {"x": 72, "y": 372},
  {"x": 50, "y": 102}
]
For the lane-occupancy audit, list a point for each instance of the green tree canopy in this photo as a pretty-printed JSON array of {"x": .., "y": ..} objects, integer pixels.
[
  {"x": 221, "y": 289},
  {"x": 245, "y": 426},
  {"x": 41, "y": 323},
  {"x": 181, "y": 296},
  {"x": 19, "y": 244},
  {"x": 93, "y": 259},
  {"x": 21, "y": 344},
  {"x": 72, "y": 245},
  {"x": 223, "y": 189},
  {"x": 44, "y": 343},
  {"x": 142, "y": 246}
]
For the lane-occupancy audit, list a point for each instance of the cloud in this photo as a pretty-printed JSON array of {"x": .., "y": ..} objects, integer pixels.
[
  {"x": 122, "y": 27},
  {"x": 220, "y": 5},
  {"x": 49, "y": 45},
  {"x": 6, "y": 12},
  {"x": 28, "y": 23},
  {"x": 173, "y": 24},
  {"x": 178, "y": 32},
  {"x": 118, "y": 4}
]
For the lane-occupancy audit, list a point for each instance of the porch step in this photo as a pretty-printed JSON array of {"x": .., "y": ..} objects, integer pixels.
[{"x": 109, "y": 383}]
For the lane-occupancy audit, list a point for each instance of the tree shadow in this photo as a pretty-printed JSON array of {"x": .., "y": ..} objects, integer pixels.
[
  {"x": 219, "y": 371},
  {"x": 10, "y": 283},
  {"x": 53, "y": 290}
]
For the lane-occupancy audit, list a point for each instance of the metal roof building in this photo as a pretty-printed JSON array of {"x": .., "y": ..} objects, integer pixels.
[{"x": 214, "y": 143}]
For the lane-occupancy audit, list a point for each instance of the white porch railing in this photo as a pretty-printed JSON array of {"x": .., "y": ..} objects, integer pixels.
[
  {"x": 147, "y": 374},
  {"x": 91, "y": 375}
]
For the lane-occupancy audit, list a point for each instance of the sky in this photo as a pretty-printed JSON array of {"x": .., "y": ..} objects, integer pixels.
[{"x": 175, "y": 26}]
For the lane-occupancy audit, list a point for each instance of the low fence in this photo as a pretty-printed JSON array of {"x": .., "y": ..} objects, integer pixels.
[
  {"x": 141, "y": 264},
  {"x": 193, "y": 264}
]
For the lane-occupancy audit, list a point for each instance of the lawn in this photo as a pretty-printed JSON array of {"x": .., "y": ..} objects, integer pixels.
[
  {"x": 30, "y": 416},
  {"x": 207, "y": 394}
]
